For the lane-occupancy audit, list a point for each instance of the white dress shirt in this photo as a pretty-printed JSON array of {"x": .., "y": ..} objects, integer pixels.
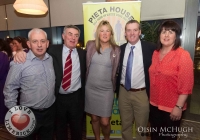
[
  {"x": 76, "y": 71},
  {"x": 137, "y": 76}
]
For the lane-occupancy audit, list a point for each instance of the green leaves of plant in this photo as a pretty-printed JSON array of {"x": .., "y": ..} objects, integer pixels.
[{"x": 149, "y": 31}]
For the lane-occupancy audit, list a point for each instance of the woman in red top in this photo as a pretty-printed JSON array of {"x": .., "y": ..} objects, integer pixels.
[{"x": 171, "y": 80}]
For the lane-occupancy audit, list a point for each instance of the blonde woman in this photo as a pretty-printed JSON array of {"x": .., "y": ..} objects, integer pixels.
[{"x": 102, "y": 62}]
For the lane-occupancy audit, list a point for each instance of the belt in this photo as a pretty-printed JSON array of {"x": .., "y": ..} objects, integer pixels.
[
  {"x": 71, "y": 93},
  {"x": 134, "y": 90},
  {"x": 39, "y": 110}
]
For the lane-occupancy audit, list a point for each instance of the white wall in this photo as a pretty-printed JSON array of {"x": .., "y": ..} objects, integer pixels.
[
  {"x": 162, "y": 9},
  {"x": 65, "y": 12},
  {"x": 3, "y": 26},
  {"x": 18, "y": 21}
]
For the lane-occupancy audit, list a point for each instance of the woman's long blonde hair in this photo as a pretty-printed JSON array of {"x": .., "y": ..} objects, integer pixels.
[{"x": 97, "y": 39}]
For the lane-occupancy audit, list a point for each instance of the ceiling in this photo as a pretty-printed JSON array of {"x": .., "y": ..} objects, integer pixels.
[{"x": 4, "y": 2}]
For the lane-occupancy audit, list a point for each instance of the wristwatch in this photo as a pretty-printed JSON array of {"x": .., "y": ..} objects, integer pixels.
[{"x": 180, "y": 107}]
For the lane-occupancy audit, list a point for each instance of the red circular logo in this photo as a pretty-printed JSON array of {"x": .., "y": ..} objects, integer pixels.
[{"x": 20, "y": 121}]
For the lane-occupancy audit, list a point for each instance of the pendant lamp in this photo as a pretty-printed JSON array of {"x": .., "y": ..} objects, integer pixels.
[{"x": 31, "y": 7}]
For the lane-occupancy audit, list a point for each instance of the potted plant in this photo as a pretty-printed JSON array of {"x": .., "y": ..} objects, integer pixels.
[{"x": 149, "y": 31}]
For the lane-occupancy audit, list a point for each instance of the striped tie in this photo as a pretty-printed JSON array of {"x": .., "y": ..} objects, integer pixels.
[{"x": 66, "y": 81}]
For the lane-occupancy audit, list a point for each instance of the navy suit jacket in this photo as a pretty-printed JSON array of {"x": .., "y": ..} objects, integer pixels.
[
  {"x": 147, "y": 52},
  {"x": 56, "y": 53}
]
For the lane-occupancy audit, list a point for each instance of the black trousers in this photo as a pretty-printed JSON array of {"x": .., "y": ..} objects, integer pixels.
[
  {"x": 45, "y": 125},
  {"x": 69, "y": 109},
  {"x": 162, "y": 127}
]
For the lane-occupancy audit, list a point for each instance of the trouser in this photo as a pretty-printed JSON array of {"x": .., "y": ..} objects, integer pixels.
[
  {"x": 133, "y": 106},
  {"x": 45, "y": 121},
  {"x": 163, "y": 128},
  {"x": 69, "y": 109}
]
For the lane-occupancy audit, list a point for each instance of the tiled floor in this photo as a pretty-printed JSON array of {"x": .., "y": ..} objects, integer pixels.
[
  {"x": 4, "y": 134},
  {"x": 193, "y": 134},
  {"x": 193, "y": 111},
  {"x": 195, "y": 100},
  {"x": 191, "y": 117}
]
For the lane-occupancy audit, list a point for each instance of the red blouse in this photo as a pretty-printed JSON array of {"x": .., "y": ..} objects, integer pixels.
[{"x": 169, "y": 78}]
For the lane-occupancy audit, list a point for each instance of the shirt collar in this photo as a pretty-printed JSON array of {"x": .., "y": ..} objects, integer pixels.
[
  {"x": 136, "y": 44},
  {"x": 66, "y": 49},
  {"x": 31, "y": 56}
]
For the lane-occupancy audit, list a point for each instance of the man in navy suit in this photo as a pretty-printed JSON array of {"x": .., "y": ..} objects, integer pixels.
[
  {"x": 133, "y": 81},
  {"x": 70, "y": 102}
]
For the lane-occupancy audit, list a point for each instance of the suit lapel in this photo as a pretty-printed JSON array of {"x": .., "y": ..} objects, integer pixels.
[
  {"x": 144, "y": 53},
  {"x": 92, "y": 53},
  {"x": 80, "y": 59},
  {"x": 123, "y": 47},
  {"x": 59, "y": 54}
]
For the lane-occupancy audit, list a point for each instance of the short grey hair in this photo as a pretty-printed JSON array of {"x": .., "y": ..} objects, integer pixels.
[
  {"x": 71, "y": 26},
  {"x": 36, "y": 30}
]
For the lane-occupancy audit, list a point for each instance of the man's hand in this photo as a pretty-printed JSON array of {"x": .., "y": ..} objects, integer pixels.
[{"x": 20, "y": 57}]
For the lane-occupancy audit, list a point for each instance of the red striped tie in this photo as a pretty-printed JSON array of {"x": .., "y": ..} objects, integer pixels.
[{"x": 66, "y": 81}]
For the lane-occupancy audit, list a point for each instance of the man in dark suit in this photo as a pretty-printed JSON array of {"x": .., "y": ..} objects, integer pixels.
[
  {"x": 133, "y": 81},
  {"x": 70, "y": 98}
]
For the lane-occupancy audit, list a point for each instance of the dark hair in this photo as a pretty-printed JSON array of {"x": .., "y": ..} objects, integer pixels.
[
  {"x": 170, "y": 25},
  {"x": 133, "y": 21},
  {"x": 18, "y": 39},
  {"x": 4, "y": 46},
  {"x": 72, "y": 26},
  {"x": 9, "y": 40},
  {"x": 21, "y": 40}
]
